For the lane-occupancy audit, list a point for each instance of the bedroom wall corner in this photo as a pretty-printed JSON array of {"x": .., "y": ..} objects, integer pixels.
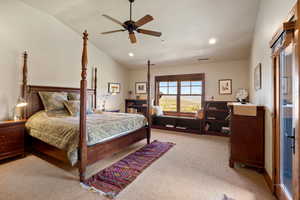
[{"x": 54, "y": 56}]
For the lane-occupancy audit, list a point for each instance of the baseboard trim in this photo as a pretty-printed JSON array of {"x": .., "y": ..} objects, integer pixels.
[{"x": 269, "y": 181}]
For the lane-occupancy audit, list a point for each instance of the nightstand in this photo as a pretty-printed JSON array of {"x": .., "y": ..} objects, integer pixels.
[{"x": 12, "y": 138}]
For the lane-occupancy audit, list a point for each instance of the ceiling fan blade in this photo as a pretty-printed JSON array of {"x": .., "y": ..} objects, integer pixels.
[
  {"x": 144, "y": 20},
  {"x": 114, "y": 20},
  {"x": 132, "y": 38},
  {"x": 108, "y": 32},
  {"x": 148, "y": 32}
]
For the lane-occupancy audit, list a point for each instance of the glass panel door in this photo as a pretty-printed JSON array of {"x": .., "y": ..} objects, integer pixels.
[{"x": 286, "y": 119}]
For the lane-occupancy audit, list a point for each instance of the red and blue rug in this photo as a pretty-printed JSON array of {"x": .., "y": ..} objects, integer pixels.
[{"x": 112, "y": 180}]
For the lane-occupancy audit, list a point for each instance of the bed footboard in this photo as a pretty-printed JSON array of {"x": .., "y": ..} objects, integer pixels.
[{"x": 102, "y": 150}]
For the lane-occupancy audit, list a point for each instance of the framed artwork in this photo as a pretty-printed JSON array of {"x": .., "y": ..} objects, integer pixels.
[
  {"x": 257, "y": 77},
  {"x": 114, "y": 88},
  {"x": 141, "y": 87},
  {"x": 225, "y": 86}
]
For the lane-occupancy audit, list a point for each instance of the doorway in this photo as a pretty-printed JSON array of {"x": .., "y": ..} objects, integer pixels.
[{"x": 286, "y": 102}]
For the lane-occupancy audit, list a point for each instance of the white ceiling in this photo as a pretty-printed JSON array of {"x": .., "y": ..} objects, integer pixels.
[{"x": 187, "y": 25}]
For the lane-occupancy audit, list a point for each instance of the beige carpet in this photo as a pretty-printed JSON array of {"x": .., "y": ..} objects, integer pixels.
[{"x": 195, "y": 169}]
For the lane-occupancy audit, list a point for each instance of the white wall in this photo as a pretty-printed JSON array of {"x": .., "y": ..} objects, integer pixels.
[
  {"x": 238, "y": 71},
  {"x": 54, "y": 55},
  {"x": 271, "y": 14}
]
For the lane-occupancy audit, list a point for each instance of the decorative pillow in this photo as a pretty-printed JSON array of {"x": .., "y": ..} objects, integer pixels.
[
  {"x": 98, "y": 111},
  {"x": 73, "y": 96},
  {"x": 157, "y": 110},
  {"x": 199, "y": 114},
  {"x": 53, "y": 100},
  {"x": 73, "y": 107}
]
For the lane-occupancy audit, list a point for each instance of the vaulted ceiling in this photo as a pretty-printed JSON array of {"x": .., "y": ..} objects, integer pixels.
[{"x": 187, "y": 26}]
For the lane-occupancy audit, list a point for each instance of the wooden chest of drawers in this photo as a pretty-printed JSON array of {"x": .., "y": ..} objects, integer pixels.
[
  {"x": 247, "y": 139},
  {"x": 12, "y": 139}
]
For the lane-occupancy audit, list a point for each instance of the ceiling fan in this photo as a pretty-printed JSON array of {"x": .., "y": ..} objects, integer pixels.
[{"x": 133, "y": 26}]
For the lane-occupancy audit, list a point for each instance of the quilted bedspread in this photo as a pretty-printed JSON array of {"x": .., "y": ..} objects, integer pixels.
[{"x": 62, "y": 130}]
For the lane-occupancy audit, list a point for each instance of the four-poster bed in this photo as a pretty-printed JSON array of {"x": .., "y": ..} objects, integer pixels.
[{"x": 87, "y": 154}]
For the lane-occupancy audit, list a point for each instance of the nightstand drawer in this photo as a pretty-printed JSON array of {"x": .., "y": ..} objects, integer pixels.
[{"x": 11, "y": 140}]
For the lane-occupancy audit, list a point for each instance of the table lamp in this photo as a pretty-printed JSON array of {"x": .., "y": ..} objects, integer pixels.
[{"x": 18, "y": 114}]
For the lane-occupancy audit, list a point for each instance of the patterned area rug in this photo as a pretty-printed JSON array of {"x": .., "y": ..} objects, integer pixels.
[{"x": 112, "y": 180}]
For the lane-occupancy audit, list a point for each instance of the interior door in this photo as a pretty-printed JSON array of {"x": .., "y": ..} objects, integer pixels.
[
  {"x": 287, "y": 130},
  {"x": 286, "y": 103}
]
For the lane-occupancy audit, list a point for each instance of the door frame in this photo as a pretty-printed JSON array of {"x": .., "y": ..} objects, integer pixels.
[{"x": 292, "y": 37}]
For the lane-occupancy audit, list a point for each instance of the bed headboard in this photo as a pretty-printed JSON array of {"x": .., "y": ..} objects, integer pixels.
[
  {"x": 31, "y": 92},
  {"x": 35, "y": 103}
]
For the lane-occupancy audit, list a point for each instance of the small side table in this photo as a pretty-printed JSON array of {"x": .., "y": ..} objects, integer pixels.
[{"x": 12, "y": 138}]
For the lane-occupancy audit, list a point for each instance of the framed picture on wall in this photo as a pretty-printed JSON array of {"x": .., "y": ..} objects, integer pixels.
[
  {"x": 225, "y": 86},
  {"x": 257, "y": 77},
  {"x": 141, "y": 87},
  {"x": 114, "y": 88}
]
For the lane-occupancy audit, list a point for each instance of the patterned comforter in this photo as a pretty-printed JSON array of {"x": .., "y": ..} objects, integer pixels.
[{"x": 62, "y": 131}]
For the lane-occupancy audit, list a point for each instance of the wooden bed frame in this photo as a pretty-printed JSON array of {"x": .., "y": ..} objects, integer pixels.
[{"x": 87, "y": 155}]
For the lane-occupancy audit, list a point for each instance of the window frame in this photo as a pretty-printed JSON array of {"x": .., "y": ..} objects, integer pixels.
[{"x": 179, "y": 79}]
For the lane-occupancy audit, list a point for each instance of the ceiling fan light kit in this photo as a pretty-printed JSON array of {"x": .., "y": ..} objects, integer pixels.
[{"x": 133, "y": 26}]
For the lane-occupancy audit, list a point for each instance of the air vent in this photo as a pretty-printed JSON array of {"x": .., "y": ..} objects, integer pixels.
[{"x": 203, "y": 59}]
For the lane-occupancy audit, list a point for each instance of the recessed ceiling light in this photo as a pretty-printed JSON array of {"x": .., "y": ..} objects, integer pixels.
[
  {"x": 212, "y": 41},
  {"x": 131, "y": 54}
]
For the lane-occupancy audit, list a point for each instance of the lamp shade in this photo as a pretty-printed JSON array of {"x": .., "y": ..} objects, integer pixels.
[{"x": 21, "y": 102}]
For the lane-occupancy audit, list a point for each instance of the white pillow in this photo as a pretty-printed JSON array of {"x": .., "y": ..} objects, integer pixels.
[{"x": 157, "y": 110}]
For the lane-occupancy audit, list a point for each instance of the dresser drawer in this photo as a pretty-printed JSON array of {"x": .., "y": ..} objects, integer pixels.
[{"x": 11, "y": 140}]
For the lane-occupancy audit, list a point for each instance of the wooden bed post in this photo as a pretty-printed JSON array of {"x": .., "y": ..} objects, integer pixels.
[
  {"x": 95, "y": 87},
  {"x": 148, "y": 104},
  {"x": 24, "y": 82},
  {"x": 83, "y": 103},
  {"x": 25, "y": 71}
]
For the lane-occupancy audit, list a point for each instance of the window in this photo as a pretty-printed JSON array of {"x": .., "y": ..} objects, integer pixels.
[
  {"x": 180, "y": 94},
  {"x": 168, "y": 91},
  {"x": 191, "y": 96}
]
